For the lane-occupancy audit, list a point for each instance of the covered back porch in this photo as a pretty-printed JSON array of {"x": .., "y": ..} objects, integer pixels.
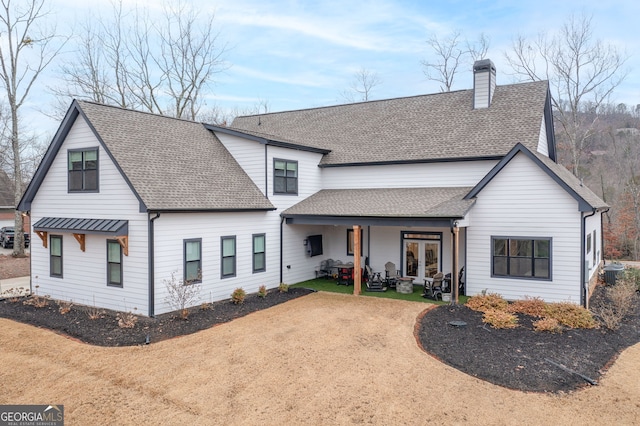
[{"x": 421, "y": 231}]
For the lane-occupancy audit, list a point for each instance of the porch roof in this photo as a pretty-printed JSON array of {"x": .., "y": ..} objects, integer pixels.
[
  {"x": 82, "y": 225},
  {"x": 437, "y": 206}
]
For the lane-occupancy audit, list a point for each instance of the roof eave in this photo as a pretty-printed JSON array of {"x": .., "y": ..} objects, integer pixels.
[{"x": 265, "y": 141}]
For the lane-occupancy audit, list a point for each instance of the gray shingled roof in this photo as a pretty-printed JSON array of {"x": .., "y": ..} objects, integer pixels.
[
  {"x": 385, "y": 202},
  {"x": 174, "y": 164},
  {"x": 428, "y": 127},
  {"x": 7, "y": 198}
]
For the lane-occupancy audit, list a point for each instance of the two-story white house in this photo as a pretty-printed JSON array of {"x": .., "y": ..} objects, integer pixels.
[{"x": 438, "y": 182}]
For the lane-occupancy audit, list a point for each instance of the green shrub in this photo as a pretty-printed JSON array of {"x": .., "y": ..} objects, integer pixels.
[
  {"x": 262, "y": 291},
  {"x": 283, "y": 288},
  {"x": 486, "y": 302},
  {"x": 238, "y": 296}
]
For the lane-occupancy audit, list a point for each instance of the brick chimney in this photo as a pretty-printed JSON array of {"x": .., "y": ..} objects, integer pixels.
[{"x": 484, "y": 83}]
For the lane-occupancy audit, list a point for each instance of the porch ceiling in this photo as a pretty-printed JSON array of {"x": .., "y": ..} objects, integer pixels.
[{"x": 382, "y": 205}]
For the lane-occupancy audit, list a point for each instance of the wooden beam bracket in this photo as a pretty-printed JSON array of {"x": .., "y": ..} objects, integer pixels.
[
  {"x": 43, "y": 237},
  {"x": 80, "y": 238},
  {"x": 124, "y": 243}
]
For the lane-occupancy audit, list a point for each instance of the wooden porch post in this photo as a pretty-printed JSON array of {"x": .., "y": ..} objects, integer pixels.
[
  {"x": 356, "y": 260},
  {"x": 454, "y": 273}
]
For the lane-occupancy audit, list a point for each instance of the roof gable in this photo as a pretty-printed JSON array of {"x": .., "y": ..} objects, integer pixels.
[
  {"x": 438, "y": 127},
  {"x": 169, "y": 164},
  {"x": 587, "y": 200}
]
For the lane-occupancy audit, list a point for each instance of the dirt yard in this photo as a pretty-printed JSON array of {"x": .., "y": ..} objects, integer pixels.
[{"x": 320, "y": 359}]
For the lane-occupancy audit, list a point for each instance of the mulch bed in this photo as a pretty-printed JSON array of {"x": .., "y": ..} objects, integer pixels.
[
  {"x": 517, "y": 358},
  {"x": 521, "y": 358},
  {"x": 105, "y": 331}
]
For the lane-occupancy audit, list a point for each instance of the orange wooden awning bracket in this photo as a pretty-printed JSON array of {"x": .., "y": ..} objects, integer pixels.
[
  {"x": 43, "y": 237},
  {"x": 124, "y": 243},
  {"x": 80, "y": 239}
]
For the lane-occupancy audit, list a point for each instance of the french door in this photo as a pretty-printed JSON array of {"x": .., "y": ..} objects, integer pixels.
[{"x": 421, "y": 257}]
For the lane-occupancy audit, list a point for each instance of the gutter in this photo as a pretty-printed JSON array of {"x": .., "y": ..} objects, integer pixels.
[
  {"x": 583, "y": 281},
  {"x": 151, "y": 263}
]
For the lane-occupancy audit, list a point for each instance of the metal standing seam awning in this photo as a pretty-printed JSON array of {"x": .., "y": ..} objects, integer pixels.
[{"x": 79, "y": 227}]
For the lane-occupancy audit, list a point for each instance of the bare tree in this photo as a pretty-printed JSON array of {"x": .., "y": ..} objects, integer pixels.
[
  {"x": 582, "y": 73},
  {"x": 361, "y": 86},
  {"x": 449, "y": 53},
  {"x": 26, "y": 50},
  {"x": 133, "y": 60}
]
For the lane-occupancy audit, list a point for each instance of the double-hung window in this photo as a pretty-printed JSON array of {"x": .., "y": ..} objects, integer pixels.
[
  {"x": 114, "y": 263},
  {"x": 192, "y": 261},
  {"x": 285, "y": 177},
  {"x": 228, "y": 254},
  {"x": 521, "y": 257},
  {"x": 83, "y": 170},
  {"x": 259, "y": 258},
  {"x": 55, "y": 256}
]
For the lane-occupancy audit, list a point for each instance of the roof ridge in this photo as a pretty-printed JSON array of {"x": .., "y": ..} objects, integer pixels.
[
  {"x": 397, "y": 98},
  {"x": 154, "y": 114}
]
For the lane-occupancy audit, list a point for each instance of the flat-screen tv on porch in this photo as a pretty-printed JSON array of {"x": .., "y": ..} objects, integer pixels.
[{"x": 315, "y": 245}]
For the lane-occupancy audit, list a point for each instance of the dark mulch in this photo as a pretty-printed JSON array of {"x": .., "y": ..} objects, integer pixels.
[
  {"x": 519, "y": 358},
  {"x": 105, "y": 331},
  {"x": 515, "y": 358}
]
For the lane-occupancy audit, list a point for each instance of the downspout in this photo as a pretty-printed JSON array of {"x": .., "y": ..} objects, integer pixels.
[
  {"x": 602, "y": 238},
  {"x": 583, "y": 279},
  {"x": 266, "y": 173},
  {"x": 454, "y": 262},
  {"x": 152, "y": 265},
  {"x": 281, "y": 249}
]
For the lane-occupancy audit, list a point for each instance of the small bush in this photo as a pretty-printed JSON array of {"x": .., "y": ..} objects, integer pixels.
[
  {"x": 570, "y": 315},
  {"x": 262, "y": 291},
  {"x": 126, "y": 320},
  {"x": 499, "y": 319},
  {"x": 487, "y": 302},
  {"x": 532, "y": 306},
  {"x": 64, "y": 307},
  {"x": 283, "y": 288},
  {"x": 633, "y": 276},
  {"x": 181, "y": 295},
  {"x": 238, "y": 296},
  {"x": 205, "y": 306},
  {"x": 547, "y": 324},
  {"x": 37, "y": 301},
  {"x": 618, "y": 303},
  {"x": 95, "y": 313}
]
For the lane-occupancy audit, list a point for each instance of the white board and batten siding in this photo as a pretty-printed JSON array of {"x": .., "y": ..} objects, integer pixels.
[
  {"x": 523, "y": 201},
  {"x": 451, "y": 174},
  {"x": 85, "y": 273}
]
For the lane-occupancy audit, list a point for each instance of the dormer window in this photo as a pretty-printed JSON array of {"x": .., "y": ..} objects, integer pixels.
[{"x": 83, "y": 170}]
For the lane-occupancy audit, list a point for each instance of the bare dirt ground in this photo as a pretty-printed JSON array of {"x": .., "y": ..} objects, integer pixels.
[
  {"x": 319, "y": 359},
  {"x": 11, "y": 267}
]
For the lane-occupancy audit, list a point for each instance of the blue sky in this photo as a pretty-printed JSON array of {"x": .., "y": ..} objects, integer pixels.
[{"x": 301, "y": 54}]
